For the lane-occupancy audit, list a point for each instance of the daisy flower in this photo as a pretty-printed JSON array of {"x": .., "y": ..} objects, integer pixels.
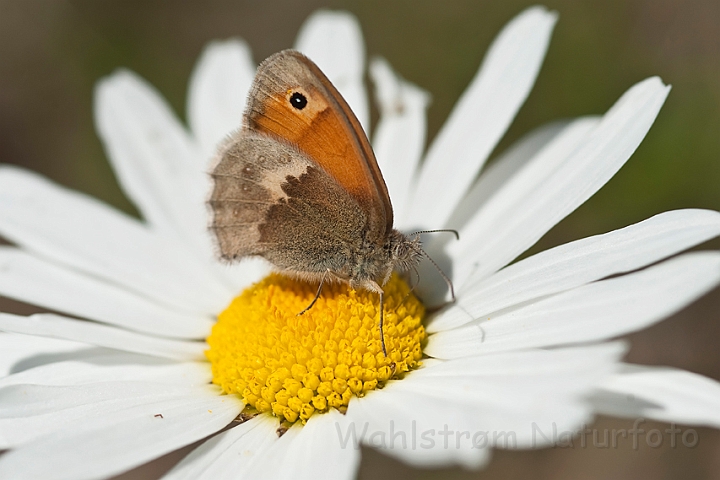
[{"x": 120, "y": 375}]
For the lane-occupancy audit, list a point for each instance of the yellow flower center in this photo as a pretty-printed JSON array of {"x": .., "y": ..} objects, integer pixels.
[{"x": 295, "y": 365}]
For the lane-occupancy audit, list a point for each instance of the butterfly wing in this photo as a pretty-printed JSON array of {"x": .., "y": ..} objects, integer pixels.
[
  {"x": 271, "y": 200},
  {"x": 293, "y": 101},
  {"x": 299, "y": 184}
]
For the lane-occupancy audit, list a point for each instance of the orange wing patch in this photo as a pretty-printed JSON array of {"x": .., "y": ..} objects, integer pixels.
[
  {"x": 324, "y": 128},
  {"x": 320, "y": 134}
]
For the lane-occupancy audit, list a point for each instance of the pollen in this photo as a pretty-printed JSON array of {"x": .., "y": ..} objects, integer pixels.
[{"x": 293, "y": 366}]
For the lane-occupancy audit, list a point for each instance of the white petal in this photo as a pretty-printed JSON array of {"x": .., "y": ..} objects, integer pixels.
[
  {"x": 592, "y": 312},
  {"x": 218, "y": 88},
  {"x": 21, "y": 352},
  {"x": 526, "y": 368},
  {"x": 399, "y": 137},
  {"x": 508, "y": 400},
  {"x": 19, "y": 430},
  {"x": 56, "y": 326},
  {"x": 408, "y": 427},
  {"x": 112, "y": 365},
  {"x": 161, "y": 168},
  {"x": 229, "y": 454},
  {"x": 270, "y": 462},
  {"x": 481, "y": 117},
  {"x": 314, "y": 452},
  {"x": 39, "y": 282},
  {"x": 666, "y": 394},
  {"x": 580, "y": 262},
  {"x": 131, "y": 438},
  {"x": 307, "y": 452},
  {"x": 473, "y": 425},
  {"x": 518, "y": 392},
  {"x": 504, "y": 168},
  {"x": 333, "y": 40},
  {"x": 77, "y": 230},
  {"x": 27, "y": 400},
  {"x": 246, "y": 272},
  {"x": 432, "y": 288},
  {"x": 542, "y": 195},
  {"x": 154, "y": 158},
  {"x": 31, "y": 412}
]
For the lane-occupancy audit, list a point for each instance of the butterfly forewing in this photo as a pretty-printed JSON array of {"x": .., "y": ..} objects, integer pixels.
[{"x": 324, "y": 128}]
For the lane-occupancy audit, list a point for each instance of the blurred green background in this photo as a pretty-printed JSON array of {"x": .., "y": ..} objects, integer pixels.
[{"x": 53, "y": 52}]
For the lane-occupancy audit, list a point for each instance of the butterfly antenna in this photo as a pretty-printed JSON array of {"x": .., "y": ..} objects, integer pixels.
[
  {"x": 445, "y": 230},
  {"x": 442, "y": 274}
]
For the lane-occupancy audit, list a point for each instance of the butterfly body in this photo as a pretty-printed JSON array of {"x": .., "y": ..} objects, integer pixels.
[{"x": 299, "y": 185}]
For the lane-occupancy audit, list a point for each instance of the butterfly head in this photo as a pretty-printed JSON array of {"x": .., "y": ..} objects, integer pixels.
[{"x": 404, "y": 251}]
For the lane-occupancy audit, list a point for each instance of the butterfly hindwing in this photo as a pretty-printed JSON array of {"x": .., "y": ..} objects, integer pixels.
[{"x": 271, "y": 200}]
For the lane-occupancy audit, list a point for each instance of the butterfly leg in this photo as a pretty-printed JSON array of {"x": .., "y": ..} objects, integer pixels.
[
  {"x": 374, "y": 287},
  {"x": 317, "y": 295},
  {"x": 382, "y": 333}
]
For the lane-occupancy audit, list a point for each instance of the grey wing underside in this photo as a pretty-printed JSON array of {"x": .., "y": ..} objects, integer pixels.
[{"x": 271, "y": 200}]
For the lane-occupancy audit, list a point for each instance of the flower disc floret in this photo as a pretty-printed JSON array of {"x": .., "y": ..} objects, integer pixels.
[{"x": 295, "y": 365}]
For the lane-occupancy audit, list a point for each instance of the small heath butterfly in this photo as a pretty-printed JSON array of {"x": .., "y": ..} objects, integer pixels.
[{"x": 299, "y": 185}]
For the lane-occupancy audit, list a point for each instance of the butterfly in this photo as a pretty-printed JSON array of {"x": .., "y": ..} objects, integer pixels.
[{"x": 299, "y": 185}]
